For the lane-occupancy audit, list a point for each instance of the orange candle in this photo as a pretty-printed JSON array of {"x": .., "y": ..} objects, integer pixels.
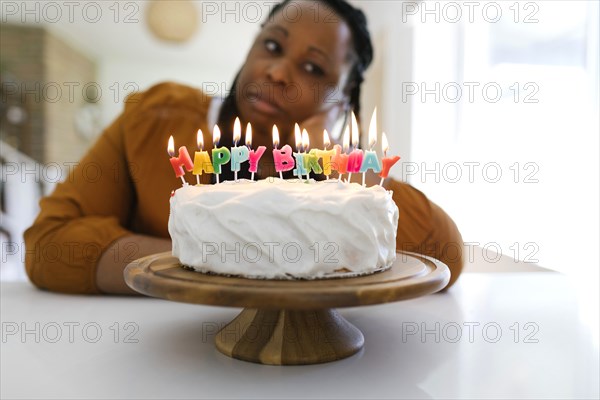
[
  {"x": 387, "y": 162},
  {"x": 202, "y": 161},
  {"x": 182, "y": 160},
  {"x": 325, "y": 154},
  {"x": 340, "y": 158}
]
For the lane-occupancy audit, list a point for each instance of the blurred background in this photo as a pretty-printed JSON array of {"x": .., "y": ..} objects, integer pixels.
[{"x": 493, "y": 106}]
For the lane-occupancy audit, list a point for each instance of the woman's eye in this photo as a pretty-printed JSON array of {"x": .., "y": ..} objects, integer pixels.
[
  {"x": 313, "y": 69},
  {"x": 272, "y": 46}
]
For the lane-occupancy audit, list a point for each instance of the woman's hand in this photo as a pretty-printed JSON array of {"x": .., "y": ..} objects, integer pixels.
[
  {"x": 112, "y": 263},
  {"x": 324, "y": 120}
]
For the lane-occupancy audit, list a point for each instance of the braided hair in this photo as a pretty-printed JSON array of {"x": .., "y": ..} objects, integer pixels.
[{"x": 363, "y": 49}]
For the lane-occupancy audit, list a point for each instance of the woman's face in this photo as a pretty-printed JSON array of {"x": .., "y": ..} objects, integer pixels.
[{"x": 297, "y": 67}]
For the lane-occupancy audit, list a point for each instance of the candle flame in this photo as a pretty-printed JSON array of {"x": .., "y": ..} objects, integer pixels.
[
  {"x": 275, "y": 136},
  {"x": 373, "y": 130},
  {"x": 171, "y": 146},
  {"x": 326, "y": 141},
  {"x": 305, "y": 141},
  {"x": 249, "y": 135},
  {"x": 237, "y": 131},
  {"x": 298, "y": 137},
  {"x": 355, "y": 133},
  {"x": 346, "y": 139},
  {"x": 200, "y": 140},
  {"x": 385, "y": 146},
  {"x": 216, "y": 135}
]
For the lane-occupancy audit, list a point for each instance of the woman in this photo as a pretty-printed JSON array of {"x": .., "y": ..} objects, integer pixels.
[{"x": 306, "y": 65}]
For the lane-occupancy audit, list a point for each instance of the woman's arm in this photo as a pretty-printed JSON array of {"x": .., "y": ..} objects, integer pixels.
[
  {"x": 109, "y": 273},
  {"x": 424, "y": 228},
  {"x": 84, "y": 215}
]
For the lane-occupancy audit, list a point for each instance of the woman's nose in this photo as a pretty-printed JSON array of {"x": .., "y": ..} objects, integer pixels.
[{"x": 278, "y": 72}]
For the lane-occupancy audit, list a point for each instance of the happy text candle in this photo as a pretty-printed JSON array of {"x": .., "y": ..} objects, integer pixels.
[
  {"x": 220, "y": 156},
  {"x": 388, "y": 162},
  {"x": 202, "y": 161},
  {"x": 370, "y": 160},
  {"x": 282, "y": 157},
  {"x": 182, "y": 160},
  {"x": 325, "y": 154},
  {"x": 356, "y": 156},
  {"x": 340, "y": 158},
  {"x": 239, "y": 154},
  {"x": 253, "y": 156}
]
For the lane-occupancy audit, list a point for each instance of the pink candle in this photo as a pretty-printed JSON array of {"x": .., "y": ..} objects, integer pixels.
[
  {"x": 282, "y": 157},
  {"x": 182, "y": 160},
  {"x": 253, "y": 156},
  {"x": 356, "y": 156},
  {"x": 387, "y": 162}
]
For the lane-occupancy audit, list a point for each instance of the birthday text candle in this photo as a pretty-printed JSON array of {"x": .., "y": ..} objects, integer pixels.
[
  {"x": 253, "y": 156},
  {"x": 282, "y": 157},
  {"x": 202, "y": 161},
  {"x": 325, "y": 154},
  {"x": 356, "y": 156},
  {"x": 311, "y": 160},
  {"x": 239, "y": 154},
  {"x": 370, "y": 160},
  {"x": 340, "y": 158},
  {"x": 220, "y": 156},
  {"x": 388, "y": 162},
  {"x": 299, "y": 154},
  {"x": 182, "y": 160}
]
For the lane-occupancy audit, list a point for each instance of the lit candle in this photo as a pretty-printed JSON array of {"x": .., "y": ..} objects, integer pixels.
[
  {"x": 182, "y": 160},
  {"x": 356, "y": 156},
  {"x": 220, "y": 156},
  {"x": 282, "y": 157},
  {"x": 239, "y": 154},
  {"x": 388, "y": 162},
  {"x": 325, "y": 154},
  {"x": 299, "y": 155},
  {"x": 201, "y": 159},
  {"x": 370, "y": 161},
  {"x": 311, "y": 159},
  {"x": 340, "y": 158},
  {"x": 253, "y": 156}
]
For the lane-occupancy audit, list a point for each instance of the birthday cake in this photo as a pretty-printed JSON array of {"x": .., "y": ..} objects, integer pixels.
[{"x": 284, "y": 229}]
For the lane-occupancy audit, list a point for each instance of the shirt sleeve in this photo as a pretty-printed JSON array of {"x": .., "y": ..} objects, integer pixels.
[
  {"x": 425, "y": 228},
  {"x": 82, "y": 217}
]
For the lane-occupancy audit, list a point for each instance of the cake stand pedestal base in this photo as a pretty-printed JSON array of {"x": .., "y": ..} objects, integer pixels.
[{"x": 289, "y": 337}]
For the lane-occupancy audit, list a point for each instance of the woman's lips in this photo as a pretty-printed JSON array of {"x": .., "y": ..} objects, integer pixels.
[{"x": 264, "y": 107}]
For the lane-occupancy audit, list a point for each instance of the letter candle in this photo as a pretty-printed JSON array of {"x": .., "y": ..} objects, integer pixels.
[
  {"x": 253, "y": 156},
  {"x": 239, "y": 154},
  {"x": 356, "y": 156},
  {"x": 340, "y": 158},
  {"x": 283, "y": 158},
  {"x": 325, "y": 154},
  {"x": 388, "y": 162},
  {"x": 221, "y": 155},
  {"x": 182, "y": 160},
  {"x": 311, "y": 160},
  {"x": 370, "y": 160},
  {"x": 299, "y": 155},
  {"x": 201, "y": 159}
]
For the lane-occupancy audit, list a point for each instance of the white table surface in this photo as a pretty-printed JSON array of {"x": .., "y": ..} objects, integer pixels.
[{"x": 171, "y": 354}]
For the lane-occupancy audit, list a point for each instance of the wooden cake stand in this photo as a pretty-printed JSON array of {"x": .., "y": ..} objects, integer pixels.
[{"x": 287, "y": 322}]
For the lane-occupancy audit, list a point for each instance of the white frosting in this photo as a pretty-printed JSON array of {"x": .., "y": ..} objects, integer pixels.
[{"x": 275, "y": 229}]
